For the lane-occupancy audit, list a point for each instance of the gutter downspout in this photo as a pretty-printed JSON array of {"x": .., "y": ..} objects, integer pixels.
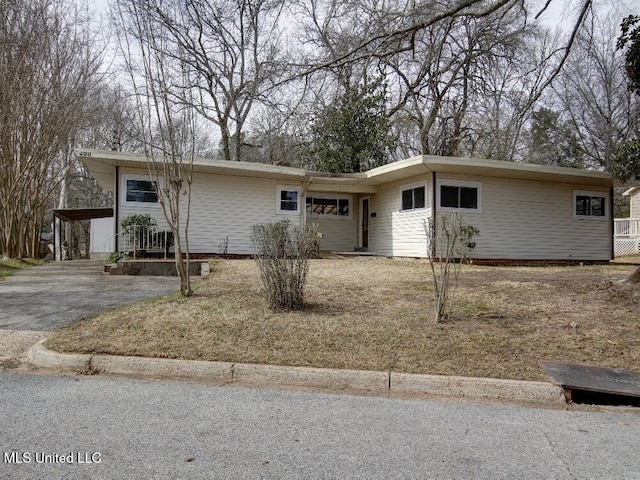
[
  {"x": 116, "y": 202},
  {"x": 303, "y": 206},
  {"x": 433, "y": 210},
  {"x": 612, "y": 226},
  {"x": 54, "y": 237}
]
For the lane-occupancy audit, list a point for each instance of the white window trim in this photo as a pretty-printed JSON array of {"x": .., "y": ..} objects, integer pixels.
[
  {"x": 288, "y": 188},
  {"x": 135, "y": 176},
  {"x": 411, "y": 186},
  {"x": 458, "y": 183},
  {"x": 587, "y": 193},
  {"x": 331, "y": 197}
]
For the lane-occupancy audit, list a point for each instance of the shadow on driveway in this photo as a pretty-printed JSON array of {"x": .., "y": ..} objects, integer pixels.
[{"x": 47, "y": 297}]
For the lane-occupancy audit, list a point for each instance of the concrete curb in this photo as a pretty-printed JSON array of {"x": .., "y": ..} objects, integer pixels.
[
  {"x": 164, "y": 367},
  {"x": 273, "y": 375},
  {"x": 310, "y": 377},
  {"x": 489, "y": 388},
  {"x": 42, "y": 357}
]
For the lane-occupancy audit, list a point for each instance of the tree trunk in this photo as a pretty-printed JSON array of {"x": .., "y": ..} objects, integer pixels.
[{"x": 182, "y": 268}]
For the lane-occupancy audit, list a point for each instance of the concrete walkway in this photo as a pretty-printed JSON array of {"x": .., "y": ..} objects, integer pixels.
[{"x": 47, "y": 297}]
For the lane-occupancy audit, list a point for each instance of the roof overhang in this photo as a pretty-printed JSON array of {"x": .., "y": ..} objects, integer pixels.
[
  {"x": 630, "y": 191},
  {"x": 488, "y": 168},
  {"x": 101, "y": 164},
  {"x": 73, "y": 214}
]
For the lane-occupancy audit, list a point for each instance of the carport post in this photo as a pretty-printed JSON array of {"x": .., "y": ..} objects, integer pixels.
[{"x": 57, "y": 226}]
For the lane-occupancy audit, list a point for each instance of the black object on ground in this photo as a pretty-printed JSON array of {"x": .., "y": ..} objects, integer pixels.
[{"x": 597, "y": 385}]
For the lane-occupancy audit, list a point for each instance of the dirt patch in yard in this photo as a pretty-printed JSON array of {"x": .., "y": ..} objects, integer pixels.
[{"x": 376, "y": 314}]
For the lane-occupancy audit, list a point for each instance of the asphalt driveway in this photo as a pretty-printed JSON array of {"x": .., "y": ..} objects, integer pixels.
[{"x": 47, "y": 297}]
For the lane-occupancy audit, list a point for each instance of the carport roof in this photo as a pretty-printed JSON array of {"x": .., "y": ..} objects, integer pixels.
[{"x": 73, "y": 214}]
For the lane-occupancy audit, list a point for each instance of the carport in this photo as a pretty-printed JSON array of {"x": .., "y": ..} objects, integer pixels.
[{"x": 73, "y": 215}]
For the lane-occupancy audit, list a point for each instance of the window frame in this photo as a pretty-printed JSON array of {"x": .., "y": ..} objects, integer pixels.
[
  {"x": 459, "y": 184},
  {"x": 329, "y": 196},
  {"x": 591, "y": 194},
  {"x": 138, "y": 177},
  {"x": 414, "y": 186},
  {"x": 288, "y": 188}
]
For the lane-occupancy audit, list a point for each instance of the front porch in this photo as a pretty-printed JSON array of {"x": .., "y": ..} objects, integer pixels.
[
  {"x": 626, "y": 237},
  {"x": 140, "y": 241}
]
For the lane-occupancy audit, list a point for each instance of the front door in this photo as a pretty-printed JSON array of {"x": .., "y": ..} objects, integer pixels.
[{"x": 364, "y": 222}]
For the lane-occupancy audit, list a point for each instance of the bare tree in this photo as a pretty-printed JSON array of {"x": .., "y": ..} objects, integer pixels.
[
  {"x": 449, "y": 242},
  {"x": 507, "y": 89},
  {"x": 167, "y": 120},
  {"x": 439, "y": 83},
  {"x": 593, "y": 92},
  {"x": 400, "y": 22},
  {"x": 230, "y": 49},
  {"x": 114, "y": 121},
  {"x": 281, "y": 136},
  {"x": 49, "y": 66},
  {"x": 464, "y": 78}
]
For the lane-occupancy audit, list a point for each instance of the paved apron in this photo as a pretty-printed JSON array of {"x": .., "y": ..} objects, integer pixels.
[{"x": 47, "y": 297}]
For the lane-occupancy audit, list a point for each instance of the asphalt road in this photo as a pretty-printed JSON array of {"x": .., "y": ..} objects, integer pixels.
[
  {"x": 142, "y": 429},
  {"x": 47, "y": 297}
]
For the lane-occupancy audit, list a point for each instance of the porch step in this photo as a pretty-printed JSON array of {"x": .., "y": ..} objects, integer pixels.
[{"x": 357, "y": 253}]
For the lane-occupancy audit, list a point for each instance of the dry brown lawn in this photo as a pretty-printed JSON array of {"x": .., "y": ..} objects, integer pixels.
[
  {"x": 376, "y": 314},
  {"x": 10, "y": 266}
]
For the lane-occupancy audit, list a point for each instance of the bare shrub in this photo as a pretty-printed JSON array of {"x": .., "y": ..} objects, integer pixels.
[
  {"x": 282, "y": 253},
  {"x": 449, "y": 242}
]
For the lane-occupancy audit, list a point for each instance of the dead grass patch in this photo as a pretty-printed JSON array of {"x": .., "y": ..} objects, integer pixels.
[{"x": 376, "y": 314}]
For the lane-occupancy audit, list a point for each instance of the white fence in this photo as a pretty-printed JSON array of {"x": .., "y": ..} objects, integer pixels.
[
  {"x": 627, "y": 227},
  {"x": 626, "y": 240},
  {"x": 136, "y": 239}
]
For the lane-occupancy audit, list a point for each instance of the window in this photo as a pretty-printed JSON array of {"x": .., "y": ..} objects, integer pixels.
[
  {"x": 459, "y": 195},
  {"x": 589, "y": 204},
  {"x": 140, "y": 190},
  {"x": 288, "y": 200},
  {"x": 413, "y": 198},
  {"x": 329, "y": 206}
]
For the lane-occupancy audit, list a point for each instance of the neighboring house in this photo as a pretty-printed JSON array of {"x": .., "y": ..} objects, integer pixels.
[
  {"x": 627, "y": 230},
  {"x": 523, "y": 211}
]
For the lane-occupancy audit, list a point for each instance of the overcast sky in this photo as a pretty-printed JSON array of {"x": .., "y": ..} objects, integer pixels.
[{"x": 100, "y": 5}]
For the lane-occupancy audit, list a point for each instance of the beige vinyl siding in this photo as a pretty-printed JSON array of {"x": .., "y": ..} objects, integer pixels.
[
  {"x": 635, "y": 204},
  {"x": 223, "y": 207},
  {"x": 154, "y": 210},
  {"x": 394, "y": 232},
  {"x": 518, "y": 220},
  {"x": 227, "y": 207},
  {"x": 535, "y": 220},
  {"x": 338, "y": 234}
]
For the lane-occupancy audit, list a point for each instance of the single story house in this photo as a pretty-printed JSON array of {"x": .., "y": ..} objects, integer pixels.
[{"x": 523, "y": 211}]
